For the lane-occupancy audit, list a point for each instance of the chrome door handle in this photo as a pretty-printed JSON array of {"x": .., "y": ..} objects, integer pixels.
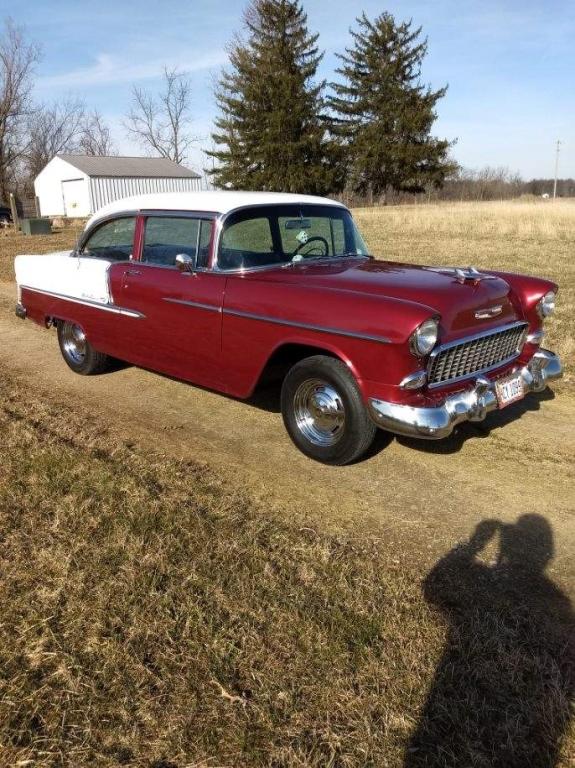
[{"x": 132, "y": 272}]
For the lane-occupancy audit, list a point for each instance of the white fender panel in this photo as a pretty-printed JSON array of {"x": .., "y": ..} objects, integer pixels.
[{"x": 61, "y": 273}]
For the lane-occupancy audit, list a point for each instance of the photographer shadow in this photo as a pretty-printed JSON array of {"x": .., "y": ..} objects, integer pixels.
[{"x": 505, "y": 684}]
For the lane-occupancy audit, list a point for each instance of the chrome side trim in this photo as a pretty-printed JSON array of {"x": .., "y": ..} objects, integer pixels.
[
  {"x": 196, "y": 304},
  {"x": 306, "y": 326},
  {"x": 88, "y": 303},
  {"x": 437, "y": 422}
]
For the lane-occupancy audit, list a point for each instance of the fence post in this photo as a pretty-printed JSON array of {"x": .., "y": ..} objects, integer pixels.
[{"x": 15, "y": 219}]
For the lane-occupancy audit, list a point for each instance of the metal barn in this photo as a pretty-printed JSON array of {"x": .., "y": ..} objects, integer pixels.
[{"x": 76, "y": 186}]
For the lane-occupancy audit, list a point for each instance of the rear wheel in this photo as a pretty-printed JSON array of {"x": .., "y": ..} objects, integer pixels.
[
  {"x": 78, "y": 353},
  {"x": 324, "y": 413}
]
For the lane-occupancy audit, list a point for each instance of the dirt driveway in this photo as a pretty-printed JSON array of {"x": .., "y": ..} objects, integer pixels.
[{"x": 420, "y": 496}]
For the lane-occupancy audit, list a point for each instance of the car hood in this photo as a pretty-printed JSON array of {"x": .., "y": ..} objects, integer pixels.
[{"x": 457, "y": 300}]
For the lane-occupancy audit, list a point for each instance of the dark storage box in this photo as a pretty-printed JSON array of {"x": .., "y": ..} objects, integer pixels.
[{"x": 36, "y": 226}]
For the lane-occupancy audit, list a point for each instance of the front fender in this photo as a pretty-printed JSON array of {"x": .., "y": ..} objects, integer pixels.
[{"x": 369, "y": 333}]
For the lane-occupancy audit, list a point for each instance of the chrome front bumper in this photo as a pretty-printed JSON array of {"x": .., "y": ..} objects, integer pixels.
[{"x": 470, "y": 405}]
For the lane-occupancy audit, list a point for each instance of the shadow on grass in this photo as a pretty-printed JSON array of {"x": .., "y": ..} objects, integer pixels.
[{"x": 504, "y": 686}]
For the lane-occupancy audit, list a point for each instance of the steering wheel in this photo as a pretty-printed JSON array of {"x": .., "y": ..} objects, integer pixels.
[{"x": 316, "y": 239}]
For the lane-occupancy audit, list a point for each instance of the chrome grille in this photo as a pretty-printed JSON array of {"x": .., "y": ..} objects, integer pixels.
[{"x": 476, "y": 354}]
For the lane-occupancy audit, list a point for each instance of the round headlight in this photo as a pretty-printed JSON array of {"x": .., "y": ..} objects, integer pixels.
[
  {"x": 424, "y": 338},
  {"x": 546, "y": 305}
]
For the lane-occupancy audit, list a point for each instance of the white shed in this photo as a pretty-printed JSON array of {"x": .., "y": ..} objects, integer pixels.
[{"x": 78, "y": 185}]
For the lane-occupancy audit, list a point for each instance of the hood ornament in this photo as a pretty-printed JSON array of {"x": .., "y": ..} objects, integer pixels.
[
  {"x": 486, "y": 314},
  {"x": 465, "y": 274},
  {"x": 470, "y": 274}
]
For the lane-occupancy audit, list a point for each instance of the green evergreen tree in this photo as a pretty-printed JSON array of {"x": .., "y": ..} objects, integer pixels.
[
  {"x": 383, "y": 115},
  {"x": 270, "y": 133}
]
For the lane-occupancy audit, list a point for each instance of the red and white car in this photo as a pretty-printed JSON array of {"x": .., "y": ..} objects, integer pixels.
[{"x": 223, "y": 289}]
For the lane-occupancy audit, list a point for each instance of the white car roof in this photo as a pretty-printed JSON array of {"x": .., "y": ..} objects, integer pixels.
[{"x": 209, "y": 201}]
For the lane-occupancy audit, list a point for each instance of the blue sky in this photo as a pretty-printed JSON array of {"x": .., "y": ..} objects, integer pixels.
[{"x": 510, "y": 65}]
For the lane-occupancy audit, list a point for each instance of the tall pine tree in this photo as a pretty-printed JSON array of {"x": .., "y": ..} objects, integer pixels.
[
  {"x": 383, "y": 115},
  {"x": 270, "y": 133}
]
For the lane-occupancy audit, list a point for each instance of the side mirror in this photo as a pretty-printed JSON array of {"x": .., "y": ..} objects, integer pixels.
[{"x": 185, "y": 262}]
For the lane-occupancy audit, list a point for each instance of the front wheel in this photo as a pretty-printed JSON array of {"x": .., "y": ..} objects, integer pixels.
[
  {"x": 324, "y": 413},
  {"x": 78, "y": 353}
]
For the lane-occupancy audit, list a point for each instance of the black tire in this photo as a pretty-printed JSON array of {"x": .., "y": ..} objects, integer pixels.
[
  {"x": 324, "y": 413},
  {"x": 78, "y": 353}
]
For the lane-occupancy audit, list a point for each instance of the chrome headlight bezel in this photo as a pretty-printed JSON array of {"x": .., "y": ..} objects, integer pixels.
[
  {"x": 546, "y": 304},
  {"x": 424, "y": 338}
]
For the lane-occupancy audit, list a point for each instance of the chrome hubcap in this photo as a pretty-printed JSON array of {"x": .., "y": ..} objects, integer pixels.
[
  {"x": 319, "y": 412},
  {"x": 74, "y": 343}
]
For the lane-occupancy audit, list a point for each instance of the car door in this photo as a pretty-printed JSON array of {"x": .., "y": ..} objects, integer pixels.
[
  {"x": 85, "y": 279},
  {"x": 180, "y": 332}
]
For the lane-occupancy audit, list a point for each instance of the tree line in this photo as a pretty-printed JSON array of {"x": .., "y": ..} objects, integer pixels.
[
  {"x": 366, "y": 136},
  {"x": 32, "y": 133},
  {"x": 369, "y": 131}
]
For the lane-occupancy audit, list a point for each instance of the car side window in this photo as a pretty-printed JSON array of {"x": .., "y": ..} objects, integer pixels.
[
  {"x": 252, "y": 235},
  {"x": 166, "y": 237},
  {"x": 113, "y": 240},
  {"x": 247, "y": 243}
]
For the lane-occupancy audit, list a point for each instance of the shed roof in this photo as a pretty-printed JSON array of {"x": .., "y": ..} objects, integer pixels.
[{"x": 136, "y": 167}]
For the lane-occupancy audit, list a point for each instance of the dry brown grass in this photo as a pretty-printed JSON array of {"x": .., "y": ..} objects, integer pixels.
[
  {"x": 13, "y": 243},
  {"x": 152, "y": 617}
]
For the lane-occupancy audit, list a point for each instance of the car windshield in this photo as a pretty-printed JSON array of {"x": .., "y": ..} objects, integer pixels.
[{"x": 287, "y": 234}]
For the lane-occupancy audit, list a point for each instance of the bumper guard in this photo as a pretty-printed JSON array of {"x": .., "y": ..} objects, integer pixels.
[{"x": 474, "y": 404}]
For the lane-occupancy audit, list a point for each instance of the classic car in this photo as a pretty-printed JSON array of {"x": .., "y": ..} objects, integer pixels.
[{"x": 226, "y": 289}]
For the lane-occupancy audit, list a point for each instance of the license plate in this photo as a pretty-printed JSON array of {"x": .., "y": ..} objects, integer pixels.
[{"x": 509, "y": 389}]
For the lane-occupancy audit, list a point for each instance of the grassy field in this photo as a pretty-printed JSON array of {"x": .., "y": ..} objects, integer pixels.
[
  {"x": 156, "y": 616},
  {"x": 153, "y": 617}
]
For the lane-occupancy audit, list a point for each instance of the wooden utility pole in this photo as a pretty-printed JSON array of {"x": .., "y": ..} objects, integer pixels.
[{"x": 556, "y": 168}]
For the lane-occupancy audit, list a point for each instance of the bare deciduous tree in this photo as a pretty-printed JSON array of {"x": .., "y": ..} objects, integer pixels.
[
  {"x": 162, "y": 123},
  {"x": 17, "y": 61},
  {"x": 96, "y": 138},
  {"x": 52, "y": 130}
]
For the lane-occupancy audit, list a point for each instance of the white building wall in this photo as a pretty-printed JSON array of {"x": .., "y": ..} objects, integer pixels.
[
  {"x": 63, "y": 190},
  {"x": 49, "y": 189},
  {"x": 105, "y": 190}
]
